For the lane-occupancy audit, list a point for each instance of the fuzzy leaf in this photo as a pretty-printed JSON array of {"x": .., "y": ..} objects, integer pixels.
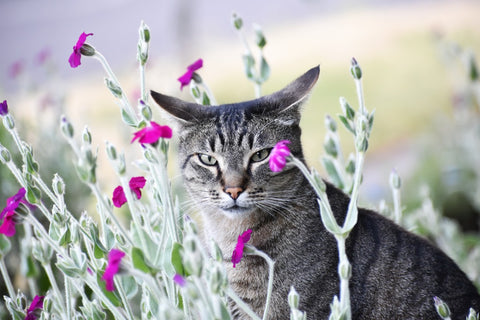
[{"x": 138, "y": 261}]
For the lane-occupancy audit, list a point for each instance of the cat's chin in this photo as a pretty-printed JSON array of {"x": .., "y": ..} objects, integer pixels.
[{"x": 236, "y": 211}]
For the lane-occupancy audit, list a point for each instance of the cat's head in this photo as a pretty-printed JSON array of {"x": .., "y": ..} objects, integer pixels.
[{"x": 224, "y": 150}]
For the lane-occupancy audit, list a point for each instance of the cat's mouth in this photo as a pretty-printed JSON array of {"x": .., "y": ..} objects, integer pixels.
[{"x": 236, "y": 210}]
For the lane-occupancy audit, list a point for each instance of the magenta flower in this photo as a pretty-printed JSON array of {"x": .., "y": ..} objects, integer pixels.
[
  {"x": 76, "y": 55},
  {"x": 151, "y": 133},
  {"x": 3, "y": 108},
  {"x": 119, "y": 197},
  {"x": 13, "y": 202},
  {"x": 137, "y": 183},
  {"x": 35, "y": 308},
  {"x": 238, "y": 252},
  {"x": 113, "y": 266},
  {"x": 179, "y": 280},
  {"x": 187, "y": 76},
  {"x": 278, "y": 156},
  {"x": 8, "y": 224}
]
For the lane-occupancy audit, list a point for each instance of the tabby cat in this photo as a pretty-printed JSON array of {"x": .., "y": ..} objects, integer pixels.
[{"x": 223, "y": 154}]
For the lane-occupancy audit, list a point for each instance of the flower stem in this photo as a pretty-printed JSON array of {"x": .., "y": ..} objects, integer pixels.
[
  {"x": 6, "y": 279},
  {"x": 53, "y": 283},
  {"x": 68, "y": 301},
  {"x": 123, "y": 296},
  {"x": 232, "y": 295},
  {"x": 271, "y": 269}
]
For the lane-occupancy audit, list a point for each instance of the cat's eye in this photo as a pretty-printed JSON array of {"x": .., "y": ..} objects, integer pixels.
[
  {"x": 207, "y": 159},
  {"x": 260, "y": 155}
]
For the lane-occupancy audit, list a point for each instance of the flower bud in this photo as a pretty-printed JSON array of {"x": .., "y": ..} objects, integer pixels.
[
  {"x": 472, "y": 315},
  {"x": 58, "y": 185},
  {"x": 146, "y": 111},
  {"x": 350, "y": 167},
  {"x": 5, "y": 155},
  {"x": 66, "y": 127},
  {"x": 395, "y": 181},
  {"x": 330, "y": 146},
  {"x": 114, "y": 88},
  {"x": 87, "y": 136},
  {"x": 33, "y": 194},
  {"x": 87, "y": 50},
  {"x": 111, "y": 151},
  {"x": 293, "y": 298},
  {"x": 330, "y": 123},
  {"x": 348, "y": 111},
  {"x": 144, "y": 32},
  {"x": 442, "y": 308},
  {"x": 237, "y": 21},
  {"x": 9, "y": 122},
  {"x": 472, "y": 68},
  {"x": 218, "y": 279},
  {"x": 259, "y": 37},
  {"x": 355, "y": 70}
]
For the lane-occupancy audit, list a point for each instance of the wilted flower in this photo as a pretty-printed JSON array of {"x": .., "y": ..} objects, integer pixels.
[
  {"x": 278, "y": 156},
  {"x": 238, "y": 252},
  {"x": 76, "y": 55},
  {"x": 178, "y": 279},
  {"x": 35, "y": 308},
  {"x": 187, "y": 76},
  {"x": 114, "y": 258},
  {"x": 152, "y": 133},
  {"x": 3, "y": 108}
]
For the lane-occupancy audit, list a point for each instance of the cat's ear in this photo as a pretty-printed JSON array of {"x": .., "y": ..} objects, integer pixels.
[
  {"x": 182, "y": 111},
  {"x": 287, "y": 101}
]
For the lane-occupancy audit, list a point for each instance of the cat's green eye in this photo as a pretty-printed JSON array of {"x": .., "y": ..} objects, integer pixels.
[
  {"x": 260, "y": 155},
  {"x": 207, "y": 159}
]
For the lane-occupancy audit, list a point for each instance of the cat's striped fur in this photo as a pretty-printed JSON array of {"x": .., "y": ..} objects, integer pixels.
[{"x": 223, "y": 153}]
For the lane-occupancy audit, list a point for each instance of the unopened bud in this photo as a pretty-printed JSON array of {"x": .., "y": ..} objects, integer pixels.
[
  {"x": 259, "y": 37},
  {"x": 66, "y": 127},
  {"x": 345, "y": 270},
  {"x": 293, "y": 298},
  {"x": 87, "y": 50},
  {"x": 395, "y": 181},
  {"x": 114, "y": 88},
  {"x": 348, "y": 111},
  {"x": 111, "y": 151},
  {"x": 330, "y": 123},
  {"x": 144, "y": 32},
  {"x": 355, "y": 70},
  {"x": 146, "y": 111},
  {"x": 8, "y": 122},
  {"x": 5, "y": 154},
  {"x": 442, "y": 308},
  {"x": 330, "y": 146},
  {"x": 87, "y": 136},
  {"x": 58, "y": 185},
  {"x": 237, "y": 22}
]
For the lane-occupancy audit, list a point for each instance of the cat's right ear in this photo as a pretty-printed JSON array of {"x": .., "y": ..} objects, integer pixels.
[{"x": 182, "y": 111}]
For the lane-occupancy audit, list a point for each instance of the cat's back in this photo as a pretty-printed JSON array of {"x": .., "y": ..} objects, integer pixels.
[{"x": 396, "y": 274}]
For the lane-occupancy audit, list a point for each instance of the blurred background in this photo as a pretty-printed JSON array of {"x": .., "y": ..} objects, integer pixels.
[{"x": 415, "y": 57}]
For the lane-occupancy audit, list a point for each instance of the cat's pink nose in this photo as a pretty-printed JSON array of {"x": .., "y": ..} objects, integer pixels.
[{"x": 233, "y": 192}]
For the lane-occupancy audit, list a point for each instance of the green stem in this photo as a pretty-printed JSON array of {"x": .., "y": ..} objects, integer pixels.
[
  {"x": 397, "y": 207},
  {"x": 6, "y": 279},
  {"x": 123, "y": 296},
  {"x": 92, "y": 283},
  {"x": 235, "y": 298},
  {"x": 344, "y": 287},
  {"x": 271, "y": 269},
  {"x": 53, "y": 282},
  {"x": 68, "y": 299}
]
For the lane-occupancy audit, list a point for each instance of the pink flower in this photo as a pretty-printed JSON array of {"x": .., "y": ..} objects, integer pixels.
[
  {"x": 15, "y": 69},
  {"x": 35, "y": 308},
  {"x": 278, "y": 156},
  {"x": 118, "y": 197},
  {"x": 178, "y": 279},
  {"x": 151, "y": 133},
  {"x": 76, "y": 55},
  {"x": 114, "y": 258},
  {"x": 12, "y": 202},
  {"x": 187, "y": 76},
  {"x": 135, "y": 184},
  {"x": 8, "y": 224},
  {"x": 43, "y": 56},
  {"x": 3, "y": 108},
  {"x": 238, "y": 252}
]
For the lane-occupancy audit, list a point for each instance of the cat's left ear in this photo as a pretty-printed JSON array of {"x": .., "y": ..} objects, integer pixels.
[{"x": 287, "y": 101}]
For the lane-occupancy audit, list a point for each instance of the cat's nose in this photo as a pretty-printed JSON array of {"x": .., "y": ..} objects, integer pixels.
[{"x": 233, "y": 192}]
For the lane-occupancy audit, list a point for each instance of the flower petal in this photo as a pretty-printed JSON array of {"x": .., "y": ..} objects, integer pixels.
[
  {"x": 196, "y": 65},
  {"x": 278, "y": 156},
  {"x": 135, "y": 184},
  {"x": 118, "y": 197},
  {"x": 8, "y": 225},
  {"x": 3, "y": 108},
  {"x": 114, "y": 258},
  {"x": 238, "y": 251}
]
